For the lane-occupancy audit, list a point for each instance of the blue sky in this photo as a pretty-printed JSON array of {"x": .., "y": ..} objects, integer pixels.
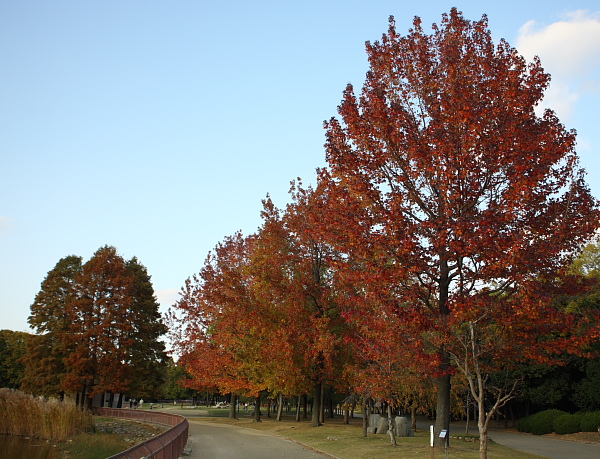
[{"x": 158, "y": 127}]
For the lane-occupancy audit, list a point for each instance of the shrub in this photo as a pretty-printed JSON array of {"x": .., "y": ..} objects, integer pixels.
[
  {"x": 590, "y": 421},
  {"x": 524, "y": 424},
  {"x": 540, "y": 423},
  {"x": 568, "y": 424}
]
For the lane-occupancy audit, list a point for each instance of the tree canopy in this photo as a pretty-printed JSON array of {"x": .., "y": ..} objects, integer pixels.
[
  {"x": 98, "y": 329},
  {"x": 470, "y": 200},
  {"x": 12, "y": 350},
  {"x": 47, "y": 349},
  {"x": 436, "y": 242}
]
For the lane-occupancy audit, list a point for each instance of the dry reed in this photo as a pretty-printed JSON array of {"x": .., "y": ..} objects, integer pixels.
[{"x": 50, "y": 419}]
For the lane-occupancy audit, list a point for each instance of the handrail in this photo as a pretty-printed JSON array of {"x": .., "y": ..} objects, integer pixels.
[{"x": 168, "y": 445}]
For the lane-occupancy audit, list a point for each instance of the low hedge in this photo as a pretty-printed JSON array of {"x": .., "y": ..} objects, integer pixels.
[
  {"x": 590, "y": 422},
  {"x": 568, "y": 424},
  {"x": 541, "y": 423}
]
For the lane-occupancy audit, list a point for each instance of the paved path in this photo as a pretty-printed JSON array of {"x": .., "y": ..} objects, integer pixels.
[
  {"x": 209, "y": 441},
  {"x": 552, "y": 448}
]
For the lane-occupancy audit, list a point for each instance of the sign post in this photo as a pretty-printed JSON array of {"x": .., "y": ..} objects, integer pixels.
[
  {"x": 432, "y": 441},
  {"x": 444, "y": 434}
]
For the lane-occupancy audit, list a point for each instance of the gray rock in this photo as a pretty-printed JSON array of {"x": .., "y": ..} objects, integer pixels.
[
  {"x": 382, "y": 428},
  {"x": 402, "y": 426},
  {"x": 374, "y": 420}
]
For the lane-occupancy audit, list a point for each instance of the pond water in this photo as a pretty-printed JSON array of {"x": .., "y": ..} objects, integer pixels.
[{"x": 13, "y": 447}]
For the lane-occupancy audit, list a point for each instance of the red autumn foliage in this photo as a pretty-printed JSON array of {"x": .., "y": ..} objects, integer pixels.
[{"x": 452, "y": 198}]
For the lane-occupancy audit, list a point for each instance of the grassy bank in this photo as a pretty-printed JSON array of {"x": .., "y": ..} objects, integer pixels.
[
  {"x": 110, "y": 436},
  {"x": 92, "y": 446},
  {"x": 28, "y": 416}
]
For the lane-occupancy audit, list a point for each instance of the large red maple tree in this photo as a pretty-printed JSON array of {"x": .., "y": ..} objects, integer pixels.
[{"x": 453, "y": 195}]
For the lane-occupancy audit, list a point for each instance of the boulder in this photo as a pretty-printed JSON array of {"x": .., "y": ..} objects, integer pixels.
[
  {"x": 402, "y": 426},
  {"x": 374, "y": 420},
  {"x": 382, "y": 428}
]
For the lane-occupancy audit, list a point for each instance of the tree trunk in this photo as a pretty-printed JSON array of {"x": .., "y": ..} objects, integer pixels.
[
  {"x": 482, "y": 426},
  {"x": 442, "y": 413},
  {"x": 83, "y": 397},
  {"x": 468, "y": 410},
  {"x": 304, "y": 406},
  {"x": 413, "y": 417},
  {"x": 257, "y": 409},
  {"x": 322, "y": 406},
  {"x": 299, "y": 401},
  {"x": 346, "y": 414},
  {"x": 279, "y": 407},
  {"x": 316, "y": 407},
  {"x": 390, "y": 431},
  {"x": 89, "y": 403},
  {"x": 268, "y": 407},
  {"x": 233, "y": 406},
  {"x": 365, "y": 420}
]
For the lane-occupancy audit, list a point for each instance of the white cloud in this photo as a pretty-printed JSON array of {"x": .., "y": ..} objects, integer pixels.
[
  {"x": 570, "y": 51},
  {"x": 167, "y": 297}
]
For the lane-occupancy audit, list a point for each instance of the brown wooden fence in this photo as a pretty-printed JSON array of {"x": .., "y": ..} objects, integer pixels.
[{"x": 168, "y": 445}]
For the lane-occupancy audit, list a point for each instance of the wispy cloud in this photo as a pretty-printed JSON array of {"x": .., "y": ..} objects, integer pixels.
[
  {"x": 6, "y": 223},
  {"x": 570, "y": 51}
]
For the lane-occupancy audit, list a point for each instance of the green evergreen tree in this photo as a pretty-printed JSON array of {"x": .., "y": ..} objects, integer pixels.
[{"x": 12, "y": 349}]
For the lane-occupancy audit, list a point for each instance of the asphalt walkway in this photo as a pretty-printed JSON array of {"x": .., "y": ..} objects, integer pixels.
[
  {"x": 210, "y": 441},
  {"x": 549, "y": 447}
]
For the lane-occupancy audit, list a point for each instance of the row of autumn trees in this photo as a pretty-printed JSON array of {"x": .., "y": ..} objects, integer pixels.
[
  {"x": 434, "y": 244},
  {"x": 97, "y": 330}
]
